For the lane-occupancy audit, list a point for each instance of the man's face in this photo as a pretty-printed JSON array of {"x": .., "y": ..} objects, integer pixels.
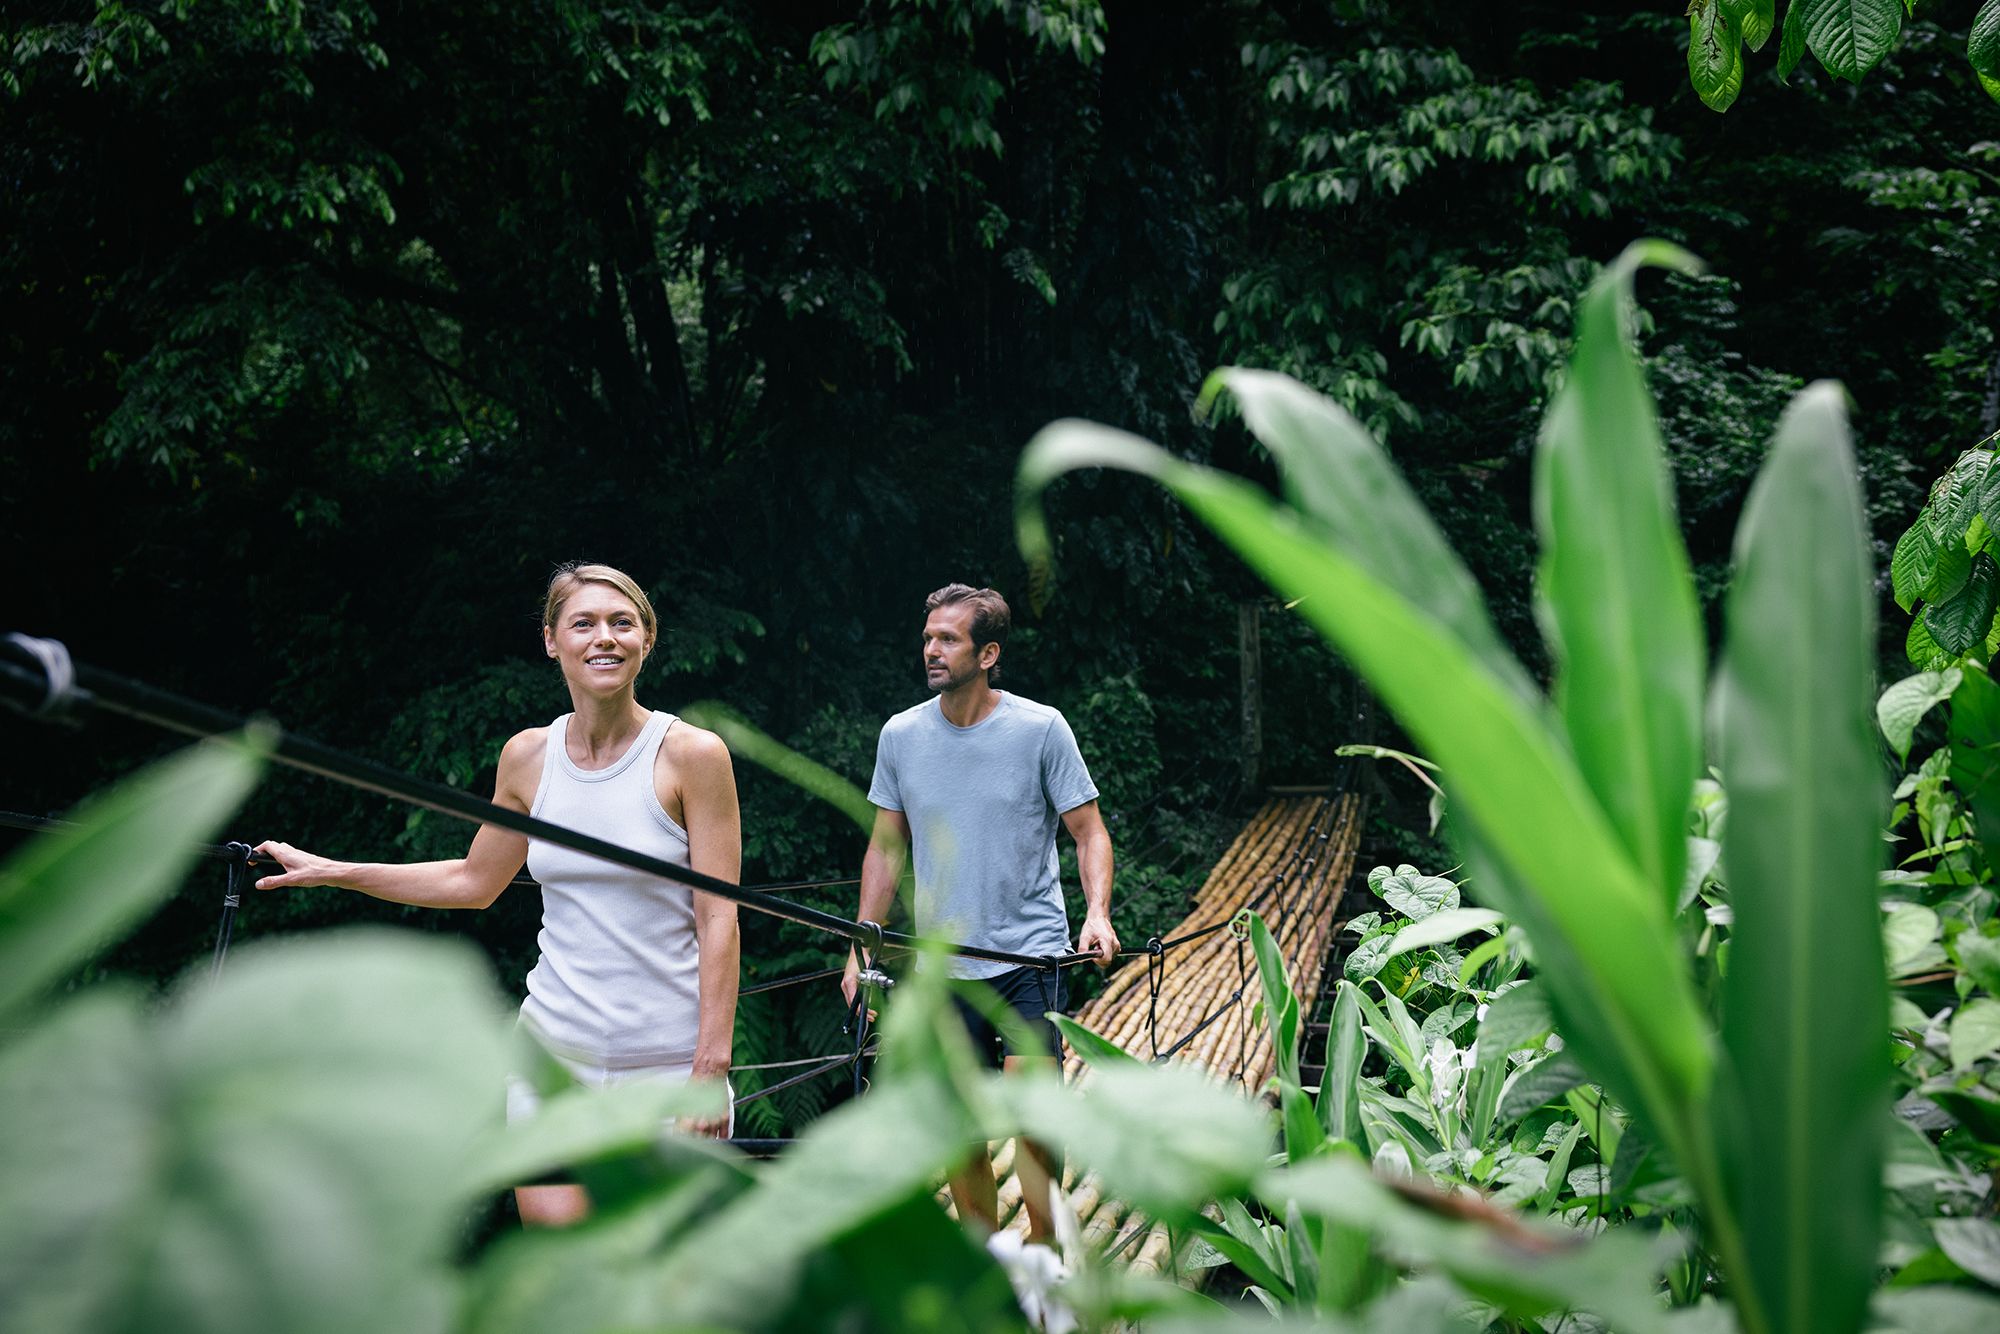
[{"x": 951, "y": 659}]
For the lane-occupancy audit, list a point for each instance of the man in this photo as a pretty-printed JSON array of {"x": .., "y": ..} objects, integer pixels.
[{"x": 974, "y": 784}]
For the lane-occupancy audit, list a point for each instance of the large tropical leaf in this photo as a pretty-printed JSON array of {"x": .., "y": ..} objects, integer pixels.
[
  {"x": 69, "y": 892},
  {"x": 1620, "y": 603},
  {"x": 1850, "y": 36},
  {"x": 1715, "y": 53},
  {"x": 283, "y": 1149},
  {"x": 1800, "y": 1102},
  {"x": 1626, "y": 1004}
]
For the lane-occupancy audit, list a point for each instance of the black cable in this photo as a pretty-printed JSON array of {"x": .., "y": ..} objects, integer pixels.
[
  {"x": 232, "y": 899},
  {"x": 792, "y": 981},
  {"x": 92, "y": 688},
  {"x": 845, "y": 1058}
]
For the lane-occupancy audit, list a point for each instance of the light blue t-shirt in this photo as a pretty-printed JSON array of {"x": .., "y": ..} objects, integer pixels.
[{"x": 983, "y": 804}]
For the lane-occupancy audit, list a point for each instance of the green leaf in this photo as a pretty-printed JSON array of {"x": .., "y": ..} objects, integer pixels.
[
  {"x": 1975, "y": 1032},
  {"x": 1973, "y": 727},
  {"x": 1344, "y": 487},
  {"x": 1935, "y": 1310},
  {"x": 1982, "y": 46},
  {"x": 1909, "y": 933},
  {"x": 1536, "y": 1086},
  {"x": 1792, "y": 46},
  {"x": 1516, "y": 1018},
  {"x": 1621, "y": 614},
  {"x": 1960, "y": 623},
  {"x": 1339, "y": 1101},
  {"x": 581, "y": 1125},
  {"x": 1979, "y": 958},
  {"x": 1625, "y": 1001},
  {"x": 1441, "y": 927},
  {"x": 1092, "y": 1047},
  {"x": 1715, "y": 54},
  {"x": 66, "y": 894},
  {"x": 1758, "y": 19},
  {"x": 1522, "y": 1270},
  {"x": 1801, "y": 1097},
  {"x": 1923, "y": 651},
  {"x": 1949, "y": 574},
  {"x": 1164, "y": 1138},
  {"x": 1973, "y": 1245},
  {"x": 1281, "y": 1003},
  {"x": 1915, "y": 562},
  {"x": 1417, "y": 896},
  {"x": 1905, "y": 703},
  {"x": 283, "y": 1148},
  {"x": 1850, "y": 36}
]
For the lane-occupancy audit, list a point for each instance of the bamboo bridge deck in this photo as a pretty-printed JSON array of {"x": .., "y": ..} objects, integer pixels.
[{"x": 1291, "y": 864}]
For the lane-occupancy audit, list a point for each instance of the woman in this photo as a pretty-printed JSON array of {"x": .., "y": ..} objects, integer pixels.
[{"x": 637, "y": 976}]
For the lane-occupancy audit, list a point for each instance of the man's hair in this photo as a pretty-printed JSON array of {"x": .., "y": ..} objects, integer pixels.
[{"x": 990, "y": 617}]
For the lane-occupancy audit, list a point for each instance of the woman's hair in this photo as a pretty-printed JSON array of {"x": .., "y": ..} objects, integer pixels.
[{"x": 574, "y": 574}]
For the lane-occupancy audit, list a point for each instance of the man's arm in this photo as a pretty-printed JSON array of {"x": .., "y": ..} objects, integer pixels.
[
  {"x": 715, "y": 847},
  {"x": 881, "y": 870},
  {"x": 1093, "y": 865}
]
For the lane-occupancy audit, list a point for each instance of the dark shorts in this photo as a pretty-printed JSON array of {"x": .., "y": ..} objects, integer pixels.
[{"x": 1028, "y": 992}]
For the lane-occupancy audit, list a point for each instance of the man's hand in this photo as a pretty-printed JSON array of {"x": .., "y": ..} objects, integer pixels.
[{"x": 1098, "y": 937}]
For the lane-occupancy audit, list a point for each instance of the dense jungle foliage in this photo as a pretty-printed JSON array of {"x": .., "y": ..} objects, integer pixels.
[{"x": 332, "y": 326}]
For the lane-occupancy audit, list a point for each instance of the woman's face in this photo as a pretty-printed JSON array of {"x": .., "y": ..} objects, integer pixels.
[{"x": 598, "y": 640}]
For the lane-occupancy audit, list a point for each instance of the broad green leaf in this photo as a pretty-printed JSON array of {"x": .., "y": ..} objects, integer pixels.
[
  {"x": 1922, "y": 650},
  {"x": 1341, "y": 484},
  {"x": 581, "y": 1124},
  {"x": 1979, "y": 958},
  {"x": 1164, "y": 1138},
  {"x": 1982, "y": 48},
  {"x": 1092, "y": 1047},
  {"x": 1366, "y": 959},
  {"x": 282, "y": 1149},
  {"x": 1510, "y": 1264},
  {"x": 1935, "y": 1310},
  {"x": 1703, "y": 854},
  {"x": 1975, "y": 1032},
  {"x": 1339, "y": 1103},
  {"x": 67, "y": 893},
  {"x": 1558, "y": 1171},
  {"x": 1715, "y": 54},
  {"x": 1441, "y": 927},
  {"x": 1625, "y": 1002},
  {"x": 1514, "y": 1019},
  {"x": 1973, "y": 1245},
  {"x": 1281, "y": 1003},
  {"x": 1905, "y": 703},
  {"x": 1850, "y": 36},
  {"x": 1620, "y": 609},
  {"x": 1960, "y": 622},
  {"x": 1538, "y": 1085},
  {"x": 1801, "y": 1096},
  {"x": 1973, "y": 727},
  {"x": 1758, "y": 19},
  {"x": 1240, "y": 1239},
  {"x": 1949, "y": 572},
  {"x": 1415, "y": 895},
  {"x": 1792, "y": 45},
  {"x": 1909, "y": 937},
  {"x": 859, "y": 1163},
  {"x": 1914, "y": 565}
]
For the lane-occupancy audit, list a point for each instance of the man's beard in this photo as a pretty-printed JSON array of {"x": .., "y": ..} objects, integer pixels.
[{"x": 946, "y": 682}]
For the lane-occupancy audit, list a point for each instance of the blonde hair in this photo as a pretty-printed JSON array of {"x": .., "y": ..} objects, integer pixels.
[{"x": 574, "y": 574}]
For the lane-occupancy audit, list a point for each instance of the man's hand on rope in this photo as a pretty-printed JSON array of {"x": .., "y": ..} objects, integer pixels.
[
  {"x": 850, "y": 984},
  {"x": 1098, "y": 937}
]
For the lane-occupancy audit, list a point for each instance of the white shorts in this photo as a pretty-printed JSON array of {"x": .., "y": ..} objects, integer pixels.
[{"x": 523, "y": 1102}]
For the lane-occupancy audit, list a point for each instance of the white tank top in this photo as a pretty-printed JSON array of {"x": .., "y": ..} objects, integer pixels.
[{"x": 618, "y": 983}]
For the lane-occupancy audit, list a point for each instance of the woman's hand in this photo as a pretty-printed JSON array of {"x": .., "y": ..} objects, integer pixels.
[{"x": 300, "y": 868}]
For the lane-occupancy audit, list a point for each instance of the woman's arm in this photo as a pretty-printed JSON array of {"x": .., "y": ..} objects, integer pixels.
[
  {"x": 471, "y": 881},
  {"x": 700, "y": 768}
]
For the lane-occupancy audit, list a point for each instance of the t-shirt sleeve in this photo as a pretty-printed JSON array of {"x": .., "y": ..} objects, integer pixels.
[
  {"x": 1065, "y": 777},
  {"x": 884, "y": 790}
]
